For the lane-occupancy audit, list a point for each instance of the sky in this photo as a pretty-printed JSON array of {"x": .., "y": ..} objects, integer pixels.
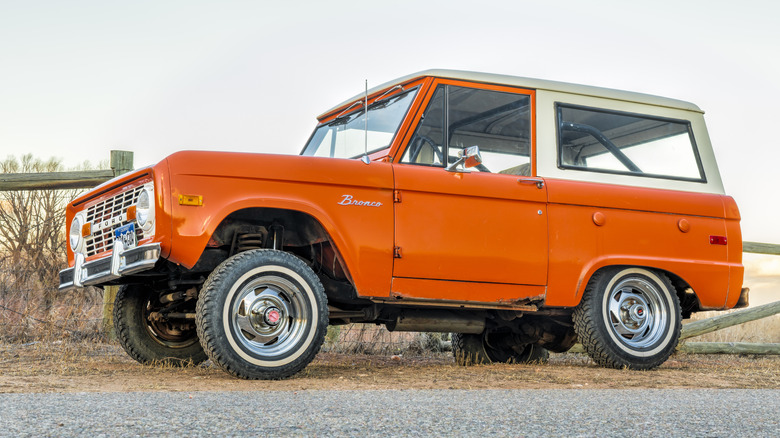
[{"x": 80, "y": 78}]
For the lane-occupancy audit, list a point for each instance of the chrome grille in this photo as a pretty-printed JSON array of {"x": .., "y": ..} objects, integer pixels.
[{"x": 116, "y": 206}]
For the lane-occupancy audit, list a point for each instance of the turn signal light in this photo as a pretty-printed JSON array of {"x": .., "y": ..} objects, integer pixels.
[
  {"x": 86, "y": 229},
  {"x": 131, "y": 213}
]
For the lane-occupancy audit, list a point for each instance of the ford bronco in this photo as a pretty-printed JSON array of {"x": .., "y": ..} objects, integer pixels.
[{"x": 522, "y": 215}]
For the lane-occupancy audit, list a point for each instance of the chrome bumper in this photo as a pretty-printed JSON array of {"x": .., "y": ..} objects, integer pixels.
[{"x": 122, "y": 262}]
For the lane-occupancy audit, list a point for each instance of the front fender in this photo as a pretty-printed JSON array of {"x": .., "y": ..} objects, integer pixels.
[{"x": 361, "y": 231}]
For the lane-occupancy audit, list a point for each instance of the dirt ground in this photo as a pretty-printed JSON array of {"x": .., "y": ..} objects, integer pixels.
[{"x": 84, "y": 367}]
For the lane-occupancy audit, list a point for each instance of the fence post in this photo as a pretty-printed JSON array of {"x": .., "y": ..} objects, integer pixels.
[
  {"x": 109, "y": 295},
  {"x": 121, "y": 162}
]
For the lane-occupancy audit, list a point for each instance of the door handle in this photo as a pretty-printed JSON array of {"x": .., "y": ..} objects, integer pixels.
[{"x": 537, "y": 181}]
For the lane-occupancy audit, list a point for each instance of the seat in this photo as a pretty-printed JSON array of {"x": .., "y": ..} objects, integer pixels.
[{"x": 520, "y": 170}]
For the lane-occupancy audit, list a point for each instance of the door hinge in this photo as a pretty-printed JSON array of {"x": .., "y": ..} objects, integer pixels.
[
  {"x": 396, "y": 252},
  {"x": 396, "y": 196}
]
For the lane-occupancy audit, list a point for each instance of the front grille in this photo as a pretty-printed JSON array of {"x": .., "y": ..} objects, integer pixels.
[{"x": 116, "y": 206}]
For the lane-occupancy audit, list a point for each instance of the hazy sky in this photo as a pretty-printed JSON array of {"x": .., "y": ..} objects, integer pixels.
[{"x": 78, "y": 78}]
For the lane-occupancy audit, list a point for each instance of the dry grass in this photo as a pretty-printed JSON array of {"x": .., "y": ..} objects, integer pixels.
[
  {"x": 377, "y": 340},
  {"x": 73, "y": 316},
  {"x": 62, "y": 349},
  {"x": 64, "y": 366}
]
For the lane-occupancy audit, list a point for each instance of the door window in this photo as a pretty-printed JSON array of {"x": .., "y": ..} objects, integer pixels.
[{"x": 498, "y": 122}]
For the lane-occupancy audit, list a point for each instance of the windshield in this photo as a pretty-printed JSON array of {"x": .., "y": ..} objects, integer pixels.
[{"x": 345, "y": 136}]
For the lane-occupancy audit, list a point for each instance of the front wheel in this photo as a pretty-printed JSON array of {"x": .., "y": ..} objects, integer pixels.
[
  {"x": 262, "y": 314},
  {"x": 629, "y": 317}
]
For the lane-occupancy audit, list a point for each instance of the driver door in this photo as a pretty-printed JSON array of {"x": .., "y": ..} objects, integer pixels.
[{"x": 476, "y": 234}]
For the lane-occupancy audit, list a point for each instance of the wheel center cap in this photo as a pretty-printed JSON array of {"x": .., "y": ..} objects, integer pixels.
[
  {"x": 272, "y": 316},
  {"x": 638, "y": 312}
]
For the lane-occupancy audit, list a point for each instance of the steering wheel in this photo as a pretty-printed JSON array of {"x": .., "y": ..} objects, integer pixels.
[{"x": 417, "y": 145}]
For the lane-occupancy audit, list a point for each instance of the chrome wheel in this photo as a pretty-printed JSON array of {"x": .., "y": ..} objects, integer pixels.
[
  {"x": 636, "y": 313},
  {"x": 629, "y": 317},
  {"x": 269, "y": 317},
  {"x": 262, "y": 314}
]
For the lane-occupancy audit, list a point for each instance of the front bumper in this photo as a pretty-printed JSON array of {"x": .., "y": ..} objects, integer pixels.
[{"x": 122, "y": 262}]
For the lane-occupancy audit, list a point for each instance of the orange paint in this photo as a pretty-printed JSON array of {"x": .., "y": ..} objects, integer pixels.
[{"x": 458, "y": 237}]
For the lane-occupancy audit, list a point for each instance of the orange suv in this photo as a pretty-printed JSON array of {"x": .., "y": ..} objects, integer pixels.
[{"x": 522, "y": 215}]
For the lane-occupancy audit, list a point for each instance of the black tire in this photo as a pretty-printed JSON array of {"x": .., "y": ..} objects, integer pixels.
[
  {"x": 150, "y": 341},
  {"x": 629, "y": 317},
  {"x": 470, "y": 349},
  {"x": 262, "y": 314}
]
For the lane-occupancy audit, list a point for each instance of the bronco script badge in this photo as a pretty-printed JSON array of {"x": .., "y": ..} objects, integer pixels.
[{"x": 349, "y": 200}]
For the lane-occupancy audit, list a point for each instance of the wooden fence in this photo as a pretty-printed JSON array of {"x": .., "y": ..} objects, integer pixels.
[{"x": 122, "y": 162}]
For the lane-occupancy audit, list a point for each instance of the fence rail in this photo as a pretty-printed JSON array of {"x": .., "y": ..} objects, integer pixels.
[
  {"x": 761, "y": 248},
  {"x": 728, "y": 348},
  {"x": 54, "y": 180},
  {"x": 121, "y": 162},
  {"x": 698, "y": 328}
]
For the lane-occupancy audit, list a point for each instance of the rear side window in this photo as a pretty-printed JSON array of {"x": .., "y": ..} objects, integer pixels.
[{"x": 625, "y": 143}]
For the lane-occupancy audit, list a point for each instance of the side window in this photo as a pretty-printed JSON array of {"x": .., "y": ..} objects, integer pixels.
[
  {"x": 427, "y": 144},
  {"x": 617, "y": 142},
  {"x": 498, "y": 122}
]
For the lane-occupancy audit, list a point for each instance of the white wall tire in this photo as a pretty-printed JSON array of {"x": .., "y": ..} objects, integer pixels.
[
  {"x": 629, "y": 317},
  {"x": 262, "y": 314}
]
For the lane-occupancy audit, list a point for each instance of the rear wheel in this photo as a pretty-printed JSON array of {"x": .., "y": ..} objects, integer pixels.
[
  {"x": 148, "y": 338},
  {"x": 470, "y": 349},
  {"x": 629, "y": 317},
  {"x": 262, "y": 314}
]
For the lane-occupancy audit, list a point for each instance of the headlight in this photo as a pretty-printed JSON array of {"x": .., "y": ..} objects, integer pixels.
[
  {"x": 143, "y": 207},
  {"x": 75, "y": 233}
]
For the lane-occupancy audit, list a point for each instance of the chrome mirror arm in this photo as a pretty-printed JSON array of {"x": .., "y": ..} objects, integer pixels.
[
  {"x": 468, "y": 157},
  {"x": 453, "y": 167}
]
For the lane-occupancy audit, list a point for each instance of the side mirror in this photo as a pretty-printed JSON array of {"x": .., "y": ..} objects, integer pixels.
[{"x": 468, "y": 157}]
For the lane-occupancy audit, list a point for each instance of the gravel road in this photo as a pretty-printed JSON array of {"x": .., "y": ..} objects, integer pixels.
[{"x": 708, "y": 413}]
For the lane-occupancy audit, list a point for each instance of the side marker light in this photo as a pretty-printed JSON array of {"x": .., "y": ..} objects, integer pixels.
[
  {"x": 195, "y": 200},
  {"x": 718, "y": 240}
]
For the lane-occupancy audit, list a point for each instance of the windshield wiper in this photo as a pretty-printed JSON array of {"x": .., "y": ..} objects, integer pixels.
[
  {"x": 375, "y": 104},
  {"x": 387, "y": 92},
  {"x": 339, "y": 115}
]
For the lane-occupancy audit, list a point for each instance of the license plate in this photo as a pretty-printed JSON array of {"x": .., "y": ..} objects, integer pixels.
[{"x": 126, "y": 234}]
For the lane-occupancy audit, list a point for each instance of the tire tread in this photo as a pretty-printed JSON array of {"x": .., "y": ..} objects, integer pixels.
[
  {"x": 132, "y": 337},
  {"x": 211, "y": 336},
  {"x": 586, "y": 323}
]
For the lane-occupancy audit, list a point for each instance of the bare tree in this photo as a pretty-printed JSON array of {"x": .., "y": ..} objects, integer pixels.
[{"x": 32, "y": 229}]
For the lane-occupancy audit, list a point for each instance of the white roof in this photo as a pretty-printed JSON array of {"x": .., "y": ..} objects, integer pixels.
[{"x": 536, "y": 84}]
